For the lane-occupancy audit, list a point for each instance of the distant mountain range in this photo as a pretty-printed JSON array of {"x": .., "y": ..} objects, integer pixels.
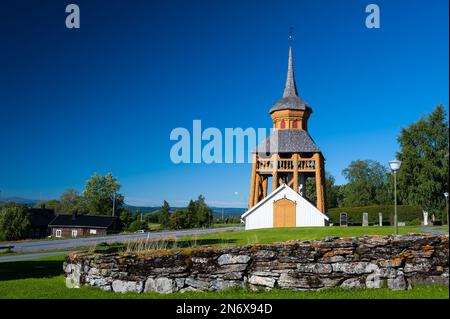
[
  {"x": 217, "y": 211},
  {"x": 19, "y": 200}
]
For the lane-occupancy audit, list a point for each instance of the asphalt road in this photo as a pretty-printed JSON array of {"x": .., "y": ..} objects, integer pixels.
[
  {"x": 39, "y": 245},
  {"x": 19, "y": 257}
]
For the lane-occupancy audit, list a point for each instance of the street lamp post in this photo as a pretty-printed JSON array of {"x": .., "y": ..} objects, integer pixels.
[
  {"x": 395, "y": 165},
  {"x": 446, "y": 206}
]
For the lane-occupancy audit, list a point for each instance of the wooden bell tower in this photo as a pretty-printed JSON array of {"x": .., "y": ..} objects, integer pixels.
[{"x": 289, "y": 155}]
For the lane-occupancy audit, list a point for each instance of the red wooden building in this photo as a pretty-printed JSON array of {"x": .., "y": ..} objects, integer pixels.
[{"x": 84, "y": 225}]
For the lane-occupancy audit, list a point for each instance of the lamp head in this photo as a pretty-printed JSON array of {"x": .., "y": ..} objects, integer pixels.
[
  {"x": 395, "y": 165},
  {"x": 446, "y": 194}
]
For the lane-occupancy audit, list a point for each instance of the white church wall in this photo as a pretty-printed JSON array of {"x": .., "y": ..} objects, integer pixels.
[{"x": 307, "y": 215}]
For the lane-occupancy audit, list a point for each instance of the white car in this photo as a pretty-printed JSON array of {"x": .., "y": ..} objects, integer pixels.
[{"x": 140, "y": 231}]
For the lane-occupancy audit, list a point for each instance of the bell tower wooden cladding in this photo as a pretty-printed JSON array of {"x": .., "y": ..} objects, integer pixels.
[{"x": 289, "y": 155}]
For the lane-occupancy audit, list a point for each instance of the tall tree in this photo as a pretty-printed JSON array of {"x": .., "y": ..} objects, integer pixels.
[
  {"x": 203, "y": 213},
  {"x": 333, "y": 192},
  {"x": 179, "y": 219},
  {"x": 71, "y": 201},
  {"x": 14, "y": 221},
  {"x": 126, "y": 217},
  {"x": 367, "y": 183},
  {"x": 191, "y": 214},
  {"x": 197, "y": 214},
  {"x": 424, "y": 149},
  {"x": 100, "y": 193},
  {"x": 164, "y": 215}
]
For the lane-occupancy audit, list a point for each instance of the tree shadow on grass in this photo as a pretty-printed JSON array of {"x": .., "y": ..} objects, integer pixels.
[{"x": 30, "y": 269}]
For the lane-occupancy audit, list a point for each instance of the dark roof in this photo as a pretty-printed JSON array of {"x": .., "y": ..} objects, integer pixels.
[
  {"x": 290, "y": 103},
  {"x": 40, "y": 217},
  {"x": 83, "y": 221},
  {"x": 287, "y": 141},
  {"x": 290, "y": 99}
]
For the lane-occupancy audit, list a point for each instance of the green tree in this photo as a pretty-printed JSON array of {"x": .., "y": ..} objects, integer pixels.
[
  {"x": 334, "y": 196},
  {"x": 164, "y": 215},
  {"x": 71, "y": 201},
  {"x": 179, "y": 219},
  {"x": 99, "y": 194},
  {"x": 138, "y": 225},
  {"x": 196, "y": 214},
  {"x": 367, "y": 183},
  {"x": 14, "y": 221},
  {"x": 203, "y": 214},
  {"x": 154, "y": 217},
  {"x": 138, "y": 214},
  {"x": 126, "y": 217},
  {"x": 333, "y": 192},
  {"x": 191, "y": 214},
  {"x": 424, "y": 149}
]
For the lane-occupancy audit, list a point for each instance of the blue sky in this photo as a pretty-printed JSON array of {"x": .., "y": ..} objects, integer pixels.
[{"x": 104, "y": 98}]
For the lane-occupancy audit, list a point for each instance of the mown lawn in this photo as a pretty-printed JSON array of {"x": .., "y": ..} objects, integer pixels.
[
  {"x": 43, "y": 279},
  {"x": 265, "y": 236}
]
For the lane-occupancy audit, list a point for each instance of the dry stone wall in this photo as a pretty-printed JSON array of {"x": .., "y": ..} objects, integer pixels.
[{"x": 363, "y": 262}]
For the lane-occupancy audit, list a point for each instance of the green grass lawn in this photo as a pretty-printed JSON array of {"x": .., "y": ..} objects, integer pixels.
[
  {"x": 43, "y": 279},
  {"x": 265, "y": 236}
]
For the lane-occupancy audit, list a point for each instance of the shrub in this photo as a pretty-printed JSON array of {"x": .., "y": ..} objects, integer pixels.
[
  {"x": 415, "y": 222},
  {"x": 405, "y": 213},
  {"x": 14, "y": 221},
  {"x": 138, "y": 225}
]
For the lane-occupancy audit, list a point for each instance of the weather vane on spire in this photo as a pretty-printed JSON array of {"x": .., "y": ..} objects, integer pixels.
[{"x": 291, "y": 37}]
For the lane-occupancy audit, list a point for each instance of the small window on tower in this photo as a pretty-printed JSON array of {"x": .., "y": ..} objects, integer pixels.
[
  {"x": 282, "y": 124},
  {"x": 294, "y": 124}
]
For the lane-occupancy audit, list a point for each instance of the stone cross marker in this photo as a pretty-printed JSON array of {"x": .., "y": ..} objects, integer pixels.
[
  {"x": 380, "y": 219},
  {"x": 365, "y": 221},
  {"x": 343, "y": 219}
]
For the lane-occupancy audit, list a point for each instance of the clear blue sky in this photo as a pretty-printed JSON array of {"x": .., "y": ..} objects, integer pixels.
[{"x": 104, "y": 98}]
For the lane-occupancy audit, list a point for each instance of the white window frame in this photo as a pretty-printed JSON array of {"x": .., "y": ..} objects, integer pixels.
[
  {"x": 74, "y": 233},
  {"x": 93, "y": 231},
  {"x": 58, "y": 233}
]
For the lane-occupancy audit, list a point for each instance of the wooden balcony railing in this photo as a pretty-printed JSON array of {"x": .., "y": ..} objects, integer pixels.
[{"x": 286, "y": 165}]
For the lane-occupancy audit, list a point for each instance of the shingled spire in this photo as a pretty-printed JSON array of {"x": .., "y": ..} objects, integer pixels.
[
  {"x": 290, "y": 89},
  {"x": 290, "y": 99}
]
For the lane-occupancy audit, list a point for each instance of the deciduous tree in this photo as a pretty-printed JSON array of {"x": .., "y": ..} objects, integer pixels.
[
  {"x": 367, "y": 183},
  {"x": 14, "y": 221},
  {"x": 71, "y": 201},
  {"x": 99, "y": 194}
]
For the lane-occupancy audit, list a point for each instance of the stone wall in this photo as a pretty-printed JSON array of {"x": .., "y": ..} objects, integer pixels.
[{"x": 364, "y": 262}]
